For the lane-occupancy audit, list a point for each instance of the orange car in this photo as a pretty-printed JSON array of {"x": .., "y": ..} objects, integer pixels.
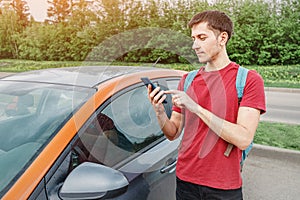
[{"x": 85, "y": 133}]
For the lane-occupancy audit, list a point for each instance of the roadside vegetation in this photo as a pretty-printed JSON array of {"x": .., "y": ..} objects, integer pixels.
[{"x": 278, "y": 135}]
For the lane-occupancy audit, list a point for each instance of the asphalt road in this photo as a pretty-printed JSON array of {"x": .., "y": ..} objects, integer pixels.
[
  {"x": 283, "y": 105},
  {"x": 272, "y": 173}
]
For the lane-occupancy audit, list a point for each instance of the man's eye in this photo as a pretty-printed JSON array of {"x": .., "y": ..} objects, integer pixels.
[{"x": 202, "y": 38}]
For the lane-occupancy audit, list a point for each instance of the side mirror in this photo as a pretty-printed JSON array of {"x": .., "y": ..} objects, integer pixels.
[{"x": 93, "y": 181}]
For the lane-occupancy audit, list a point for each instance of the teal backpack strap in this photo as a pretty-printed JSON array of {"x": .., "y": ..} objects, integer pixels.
[
  {"x": 241, "y": 78},
  {"x": 189, "y": 79},
  {"x": 245, "y": 153},
  {"x": 240, "y": 83}
]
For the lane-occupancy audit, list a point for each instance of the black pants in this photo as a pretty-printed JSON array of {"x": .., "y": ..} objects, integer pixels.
[{"x": 190, "y": 191}]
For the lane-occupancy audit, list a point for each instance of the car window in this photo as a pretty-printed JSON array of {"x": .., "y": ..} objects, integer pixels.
[
  {"x": 173, "y": 84},
  {"x": 127, "y": 125},
  {"x": 31, "y": 113},
  {"x": 134, "y": 116},
  {"x": 13, "y": 105}
]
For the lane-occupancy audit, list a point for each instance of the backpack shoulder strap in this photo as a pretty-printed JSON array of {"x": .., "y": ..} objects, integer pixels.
[
  {"x": 240, "y": 83},
  {"x": 189, "y": 79}
]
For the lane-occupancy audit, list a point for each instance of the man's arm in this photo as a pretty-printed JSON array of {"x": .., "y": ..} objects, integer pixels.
[
  {"x": 171, "y": 127},
  {"x": 240, "y": 134}
]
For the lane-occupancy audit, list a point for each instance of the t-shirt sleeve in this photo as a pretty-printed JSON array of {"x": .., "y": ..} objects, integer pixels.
[{"x": 254, "y": 93}]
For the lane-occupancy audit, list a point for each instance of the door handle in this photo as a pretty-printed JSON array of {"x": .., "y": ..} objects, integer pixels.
[{"x": 170, "y": 168}]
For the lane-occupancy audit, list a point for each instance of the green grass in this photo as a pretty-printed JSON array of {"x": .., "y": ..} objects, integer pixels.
[
  {"x": 27, "y": 65},
  {"x": 7, "y": 65},
  {"x": 278, "y": 135}
]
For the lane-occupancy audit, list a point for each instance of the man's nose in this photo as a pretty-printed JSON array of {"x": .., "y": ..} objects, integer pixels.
[{"x": 196, "y": 44}]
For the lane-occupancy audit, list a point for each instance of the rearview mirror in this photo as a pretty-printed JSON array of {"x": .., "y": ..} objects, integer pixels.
[{"x": 93, "y": 181}]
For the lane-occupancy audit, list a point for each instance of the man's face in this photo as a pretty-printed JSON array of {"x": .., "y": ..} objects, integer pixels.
[{"x": 206, "y": 43}]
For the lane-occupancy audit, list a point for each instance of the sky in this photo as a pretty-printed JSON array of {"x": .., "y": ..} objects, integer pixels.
[{"x": 38, "y": 9}]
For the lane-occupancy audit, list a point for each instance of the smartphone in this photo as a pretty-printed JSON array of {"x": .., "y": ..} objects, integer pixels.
[{"x": 147, "y": 81}]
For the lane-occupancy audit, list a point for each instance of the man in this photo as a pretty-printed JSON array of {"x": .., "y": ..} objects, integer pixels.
[{"x": 211, "y": 115}]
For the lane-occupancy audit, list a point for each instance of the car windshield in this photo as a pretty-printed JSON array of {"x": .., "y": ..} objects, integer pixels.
[{"x": 30, "y": 115}]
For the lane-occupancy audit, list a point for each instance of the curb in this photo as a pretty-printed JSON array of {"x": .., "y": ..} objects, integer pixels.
[
  {"x": 276, "y": 153},
  {"x": 288, "y": 90}
]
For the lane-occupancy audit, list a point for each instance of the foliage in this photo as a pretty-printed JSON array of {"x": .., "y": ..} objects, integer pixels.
[
  {"x": 58, "y": 10},
  {"x": 22, "y": 11},
  {"x": 9, "y": 31},
  {"x": 279, "y": 76},
  {"x": 266, "y": 32},
  {"x": 153, "y": 43},
  {"x": 14, "y": 18}
]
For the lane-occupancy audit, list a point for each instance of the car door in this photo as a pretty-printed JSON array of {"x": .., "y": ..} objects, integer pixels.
[
  {"x": 151, "y": 171},
  {"x": 123, "y": 134},
  {"x": 134, "y": 144}
]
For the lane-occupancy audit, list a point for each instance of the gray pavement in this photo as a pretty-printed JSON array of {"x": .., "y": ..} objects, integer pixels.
[{"x": 271, "y": 173}]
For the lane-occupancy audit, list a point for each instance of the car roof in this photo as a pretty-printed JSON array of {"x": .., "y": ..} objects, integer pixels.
[{"x": 84, "y": 76}]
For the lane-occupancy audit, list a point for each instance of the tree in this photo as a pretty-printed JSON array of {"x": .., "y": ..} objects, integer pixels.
[
  {"x": 289, "y": 41},
  {"x": 59, "y": 10},
  {"x": 22, "y": 10},
  {"x": 14, "y": 19},
  {"x": 266, "y": 32},
  {"x": 9, "y": 27},
  {"x": 81, "y": 15}
]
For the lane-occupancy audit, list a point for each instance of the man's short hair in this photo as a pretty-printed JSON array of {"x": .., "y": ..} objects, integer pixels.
[{"x": 216, "y": 20}]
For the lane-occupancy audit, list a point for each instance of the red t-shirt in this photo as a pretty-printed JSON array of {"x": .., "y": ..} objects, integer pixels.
[{"x": 201, "y": 157}]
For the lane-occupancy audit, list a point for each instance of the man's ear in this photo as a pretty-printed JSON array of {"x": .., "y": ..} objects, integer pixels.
[{"x": 223, "y": 38}]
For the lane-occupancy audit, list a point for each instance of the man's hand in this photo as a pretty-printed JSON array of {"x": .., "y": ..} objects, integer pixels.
[
  {"x": 171, "y": 127},
  {"x": 156, "y": 98},
  {"x": 182, "y": 100}
]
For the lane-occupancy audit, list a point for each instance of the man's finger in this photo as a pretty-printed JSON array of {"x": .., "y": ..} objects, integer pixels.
[
  {"x": 172, "y": 92},
  {"x": 154, "y": 92},
  {"x": 162, "y": 99}
]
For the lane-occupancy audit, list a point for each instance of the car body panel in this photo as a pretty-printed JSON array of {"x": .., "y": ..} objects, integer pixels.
[{"x": 42, "y": 164}]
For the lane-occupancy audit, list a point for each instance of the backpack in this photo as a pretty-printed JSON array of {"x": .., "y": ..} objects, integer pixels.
[{"x": 241, "y": 78}]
